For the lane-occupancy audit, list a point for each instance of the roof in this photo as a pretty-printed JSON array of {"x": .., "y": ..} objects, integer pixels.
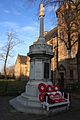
[
  {"x": 59, "y": 8},
  {"x": 23, "y": 59},
  {"x": 51, "y": 34}
]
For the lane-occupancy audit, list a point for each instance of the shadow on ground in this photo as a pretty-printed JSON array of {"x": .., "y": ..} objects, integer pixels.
[{"x": 9, "y": 113}]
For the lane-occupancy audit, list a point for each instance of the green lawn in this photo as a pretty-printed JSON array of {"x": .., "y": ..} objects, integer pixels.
[{"x": 12, "y": 87}]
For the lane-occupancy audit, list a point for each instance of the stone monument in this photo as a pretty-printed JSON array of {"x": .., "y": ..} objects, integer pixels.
[{"x": 40, "y": 54}]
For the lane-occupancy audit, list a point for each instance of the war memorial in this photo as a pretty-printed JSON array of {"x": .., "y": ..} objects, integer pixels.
[{"x": 39, "y": 95}]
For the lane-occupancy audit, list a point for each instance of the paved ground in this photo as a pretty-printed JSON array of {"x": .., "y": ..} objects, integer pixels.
[{"x": 8, "y": 113}]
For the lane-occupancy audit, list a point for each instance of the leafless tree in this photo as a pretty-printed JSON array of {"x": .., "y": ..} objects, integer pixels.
[
  {"x": 46, "y": 2},
  {"x": 69, "y": 24},
  {"x": 7, "y": 49},
  {"x": 70, "y": 28},
  {"x": 50, "y": 2}
]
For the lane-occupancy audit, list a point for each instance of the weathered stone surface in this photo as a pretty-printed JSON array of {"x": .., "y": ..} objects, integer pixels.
[
  {"x": 29, "y": 100},
  {"x": 39, "y": 53}
]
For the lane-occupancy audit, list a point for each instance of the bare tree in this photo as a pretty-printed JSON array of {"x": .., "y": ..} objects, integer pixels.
[
  {"x": 6, "y": 49},
  {"x": 50, "y": 2},
  {"x": 68, "y": 24},
  {"x": 46, "y": 2},
  {"x": 70, "y": 30}
]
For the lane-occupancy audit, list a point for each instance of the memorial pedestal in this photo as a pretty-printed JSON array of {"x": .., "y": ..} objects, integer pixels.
[{"x": 28, "y": 101}]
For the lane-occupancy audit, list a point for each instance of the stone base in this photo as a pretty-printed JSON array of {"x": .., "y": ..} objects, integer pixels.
[
  {"x": 28, "y": 101},
  {"x": 21, "y": 105},
  {"x": 34, "y": 110}
]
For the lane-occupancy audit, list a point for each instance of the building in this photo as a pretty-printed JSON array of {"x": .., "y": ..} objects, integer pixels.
[
  {"x": 52, "y": 38},
  {"x": 22, "y": 67},
  {"x": 67, "y": 45},
  {"x": 10, "y": 71},
  {"x": 65, "y": 48}
]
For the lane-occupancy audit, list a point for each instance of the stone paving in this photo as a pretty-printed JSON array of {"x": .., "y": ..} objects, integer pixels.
[{"x": 8, "y": 113}]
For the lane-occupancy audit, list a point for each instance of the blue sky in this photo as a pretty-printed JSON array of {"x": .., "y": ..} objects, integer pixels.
[{"x": 22, "y": 18}]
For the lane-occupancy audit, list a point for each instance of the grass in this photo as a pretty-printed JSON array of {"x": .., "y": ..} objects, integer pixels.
[{"x": 12, "y": 87}]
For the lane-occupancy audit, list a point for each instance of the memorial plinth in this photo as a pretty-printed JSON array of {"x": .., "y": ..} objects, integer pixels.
[{"x": 40, "y": 55}]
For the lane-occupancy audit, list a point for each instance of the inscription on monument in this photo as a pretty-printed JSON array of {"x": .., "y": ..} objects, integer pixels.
[
  {"x": 46, "y": 70},
  {"x": 32, "y": 70},
  {"x": 38, "y": 70}
]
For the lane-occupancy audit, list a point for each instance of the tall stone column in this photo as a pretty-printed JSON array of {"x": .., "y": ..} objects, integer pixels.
[{"x": 41, "y": 20}]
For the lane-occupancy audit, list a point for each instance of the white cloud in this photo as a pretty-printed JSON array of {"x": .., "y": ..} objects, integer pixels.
[
  {"x": 25, "y": 33},
  {"x": 6, "y": 11},
  {"x": 8, "y": 24},
  {"x": 17, "y": 13},
  {"x": 12, "y": 11},
  {"x": 29, "y": 29},
  {"x": 12, "y": 25},
  {"x": 52, "y": 8}
]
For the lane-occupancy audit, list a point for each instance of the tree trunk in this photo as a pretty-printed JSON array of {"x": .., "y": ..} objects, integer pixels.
[
  {"x": 5, "y": 76},
  {"x": 69, "y": 45}
]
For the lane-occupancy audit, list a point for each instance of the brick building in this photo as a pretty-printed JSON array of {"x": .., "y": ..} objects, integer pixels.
[
  {"x": 65, "y": 47},
  {"x": 22, "y": 67}
]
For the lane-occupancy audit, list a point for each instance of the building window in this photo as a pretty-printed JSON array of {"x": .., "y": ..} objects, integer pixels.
[
  {"x": 61, "y": 18},
  {"x": 71, "y": 74},
  {"x": 72, "y": 54},
  {"x": 46, "y": 70},
  {"x": 62, "y": 36}
]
